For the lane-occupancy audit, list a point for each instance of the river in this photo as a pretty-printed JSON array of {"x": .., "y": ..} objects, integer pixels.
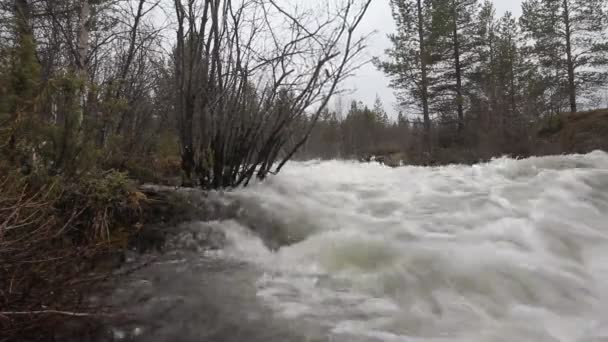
[{"x": 510, "y": 250}]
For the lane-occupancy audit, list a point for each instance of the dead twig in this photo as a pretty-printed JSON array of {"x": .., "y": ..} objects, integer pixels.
[{"x": 51, "y": 312}]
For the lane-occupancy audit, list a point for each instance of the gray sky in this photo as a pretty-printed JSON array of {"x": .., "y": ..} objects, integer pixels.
[{"x": 370, "y": 82}]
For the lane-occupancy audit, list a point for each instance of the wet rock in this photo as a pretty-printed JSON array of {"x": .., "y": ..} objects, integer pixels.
[
  {"x": 150, "y": 239},
  {"x": 270, "y": 228}
]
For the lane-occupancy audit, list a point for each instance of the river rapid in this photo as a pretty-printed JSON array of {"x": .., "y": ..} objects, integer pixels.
[{"x": 510, "y": 250}]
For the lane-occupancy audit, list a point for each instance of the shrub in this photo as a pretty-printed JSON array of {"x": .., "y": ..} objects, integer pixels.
[{"x": 54, "y": 233}]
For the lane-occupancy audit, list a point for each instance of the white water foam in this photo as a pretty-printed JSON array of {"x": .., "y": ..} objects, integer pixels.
[{"x": 511, "y": 250}]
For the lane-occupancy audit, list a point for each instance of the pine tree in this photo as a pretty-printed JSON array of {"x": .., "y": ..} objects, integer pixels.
[
  {"x": 504, "y": 86},
  {"x": 569, "y": 43},
  {"x": 453, "y": 24},
  {"x": 482, "y": 76},
  {"x": 507, "y": 62},
  {"x": 409, "y": 63}
]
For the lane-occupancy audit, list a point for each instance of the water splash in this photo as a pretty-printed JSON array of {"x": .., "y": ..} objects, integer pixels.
[{"x": 511, "y": 250}]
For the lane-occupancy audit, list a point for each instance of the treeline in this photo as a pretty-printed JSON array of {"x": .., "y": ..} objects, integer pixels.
[
  {"x": 477, "y": 85},
  {"x": 357, "y": 133},
  {"x": 208, "y": 88}
]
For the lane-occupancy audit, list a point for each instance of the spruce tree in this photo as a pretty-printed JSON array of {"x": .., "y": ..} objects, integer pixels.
[
  {"x": 381, "y": 116},
  {"x": 17, "y": 112}
]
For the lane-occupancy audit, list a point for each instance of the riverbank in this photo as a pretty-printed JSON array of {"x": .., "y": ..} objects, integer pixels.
[
  {"x": 65, "y": 241},
  {"x": 564, "y": 133},
  {"x": 117, "y": 228}
]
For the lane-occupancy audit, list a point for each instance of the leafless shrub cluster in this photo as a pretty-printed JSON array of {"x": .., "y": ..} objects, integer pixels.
[{"x": 246, "y": 72}]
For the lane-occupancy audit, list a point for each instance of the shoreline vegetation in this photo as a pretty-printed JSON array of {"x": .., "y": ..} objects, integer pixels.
[
  {"x": 60, "y": 249},
  {"x": 100, "y": 97}
]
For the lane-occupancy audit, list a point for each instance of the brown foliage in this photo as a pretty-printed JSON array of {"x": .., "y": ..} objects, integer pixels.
[{"x": 54, "y": 239}]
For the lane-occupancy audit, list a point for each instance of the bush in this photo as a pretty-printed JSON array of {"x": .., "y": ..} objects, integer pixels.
[{"x": 54, "y": 234}]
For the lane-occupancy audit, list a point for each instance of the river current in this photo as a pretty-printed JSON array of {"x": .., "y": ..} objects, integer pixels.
[{"x": 510, "y": 250}]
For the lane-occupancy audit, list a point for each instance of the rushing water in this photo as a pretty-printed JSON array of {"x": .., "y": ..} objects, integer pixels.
[{"x": 511, "y": 250}]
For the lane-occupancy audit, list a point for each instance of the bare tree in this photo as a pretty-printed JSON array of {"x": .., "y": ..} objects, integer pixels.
[{"x": 246, "y": 72}]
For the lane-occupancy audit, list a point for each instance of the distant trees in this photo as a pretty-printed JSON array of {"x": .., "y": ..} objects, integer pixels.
[
  {"x": 362, "y": 132},
  {"x": 480, "y": 80},
  {"x": 499, "y": 86},
  {"x": 431, "y": 57},
  {"x": 568, "y": 41}
]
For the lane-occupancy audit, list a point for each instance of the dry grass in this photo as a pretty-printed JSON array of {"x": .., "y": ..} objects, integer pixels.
[
  {"x": 51, "y": 240},
  {"x": 576, "y": 132}
]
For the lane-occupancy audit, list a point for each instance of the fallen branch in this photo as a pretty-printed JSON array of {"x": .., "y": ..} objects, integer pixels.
[{"x": 49, "y": 312}]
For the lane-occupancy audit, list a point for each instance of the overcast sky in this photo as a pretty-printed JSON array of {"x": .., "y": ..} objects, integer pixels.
[{"x": 370, "y": 82}]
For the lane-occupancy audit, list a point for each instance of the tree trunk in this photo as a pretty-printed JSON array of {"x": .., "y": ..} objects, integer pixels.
[
  {"x": 184, "y": 101},
  {"x": 424, "y": 86},
  {"x": 23, "y": 15},
  {"x": 493, "y": 84},
  {"x": 187, "y": 141},
  {"x": 126, "y": 65},
  {"x": 570, "y": 62},
  {"x": 458, "y": 69},
  {"x": 82, "y": 44},
  {"x": 83, "y": 35},
  {"x": 513, "y": 91}
]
